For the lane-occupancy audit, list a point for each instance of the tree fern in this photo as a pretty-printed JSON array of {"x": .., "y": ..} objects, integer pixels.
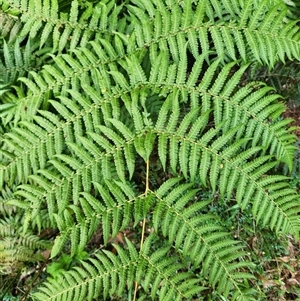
[{"x": 160, "y": 86}]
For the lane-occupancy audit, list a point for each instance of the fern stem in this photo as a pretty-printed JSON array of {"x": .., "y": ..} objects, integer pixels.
[
  {"x": 144, "y": 220},
  {"x": 135, "y": 290},
  {"x": 146, "y": 192},
  {"x": 143, "y": 233}
]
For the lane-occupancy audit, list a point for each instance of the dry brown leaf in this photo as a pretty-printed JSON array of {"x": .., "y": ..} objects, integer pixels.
[
  {"x": 46, "y": 254},
  {"x": 285, "y": 259},
  {"x": 118, "y": 239},
  {"x": 269, "y": 283},
  {"x": 292, "y": 281}
]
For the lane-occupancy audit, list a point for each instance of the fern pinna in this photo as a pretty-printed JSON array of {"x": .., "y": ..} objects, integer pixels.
[{"x": 108, "y": 89}]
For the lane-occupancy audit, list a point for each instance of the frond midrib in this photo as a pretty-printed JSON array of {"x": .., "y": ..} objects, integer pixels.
[
  {"x": 208, "y": 245},
  {"x": 77, "y": 73},
  {"x": 57, "y": 21},
  {"x": 56, "y": 185},
  {"x": 56, "y": 295},
  {"x": 171, "y": 87},
  {"x": 235, "y": 166}
]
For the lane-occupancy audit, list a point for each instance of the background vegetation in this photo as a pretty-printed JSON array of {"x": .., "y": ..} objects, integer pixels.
[{"x": 146, "y": 152}]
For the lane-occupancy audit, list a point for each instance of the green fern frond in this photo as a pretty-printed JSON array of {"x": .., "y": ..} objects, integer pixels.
[
  {"x": 158, "y": 272},
  {"x": 109, "y": 275},
  {"x": 177, "y": 234},
  {"x": 190, "y": 154},
  {"x": 207, "y": 244},
  {"x": 283, "y": 77},
  {"x": 119, "y": 203},
  {"x": 95, "y": 277},
  {"x": 129, "y": 113},
  {"x": 182, "y": 143},
  {"x": 178, "y": 34},
  {"x": 5, "y": 196},
  {"x": 17, "y": 249},
  {"x": 13, "y": 109},
  {"x": 9, "y": 24},
  {"x": 45, "y": 19},
  {"x": 231, "y": 36}
]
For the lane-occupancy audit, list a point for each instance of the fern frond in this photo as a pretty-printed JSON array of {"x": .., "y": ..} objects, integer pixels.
[
  {"x": 180, "y": 137},
  {"x": 116, "y": 202},
  {"x": 232, "y": 173},
  {"x": 108, "y": 275},
  {"x": 232, "y": 36},
  {"x": 6, "y": 195},
  {"x": 16, "y": 61},
  {"x": 283, "y": 77},
  {"x": 158, "y": 272},
  {"x": 104, "y": 275},
  {"x": 198, "y": 236},
  {"x": 45, "y": 19},
  {"x": 180, "y": 145},
  {"x": 130, "y": 91},
  {"x": 17, "y": 249},
  {"x": 178, "y": 38},
  {"x": 9, "y": 24}
]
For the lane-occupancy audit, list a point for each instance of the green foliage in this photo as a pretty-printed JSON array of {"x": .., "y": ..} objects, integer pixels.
[
  {"x": 285, "y": 78},
  {"x": 116, "y": 115},
  {"x": 64, "y": 263},
  {"x": 16, "y": 248}
]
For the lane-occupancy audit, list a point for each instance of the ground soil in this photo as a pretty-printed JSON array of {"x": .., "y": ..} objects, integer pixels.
[{"x": 294, "y": 112}]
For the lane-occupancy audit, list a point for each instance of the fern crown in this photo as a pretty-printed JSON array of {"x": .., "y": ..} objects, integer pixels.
[{"x": 94, "y": 95}]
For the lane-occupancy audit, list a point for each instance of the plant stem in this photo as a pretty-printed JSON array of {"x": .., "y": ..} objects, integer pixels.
[{"x": 144, "y": 221}]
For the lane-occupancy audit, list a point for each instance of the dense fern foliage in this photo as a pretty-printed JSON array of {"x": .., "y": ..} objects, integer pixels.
[{"x": 138, "y": 114}]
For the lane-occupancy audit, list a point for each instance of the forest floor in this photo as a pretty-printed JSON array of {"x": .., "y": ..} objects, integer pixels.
[{"x": 294, "y": 112}]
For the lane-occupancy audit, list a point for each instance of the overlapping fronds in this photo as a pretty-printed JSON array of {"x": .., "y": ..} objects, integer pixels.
[
  {"x": 119, "y": 206},
  {"x": 72, "y": 29},
  {"x": 15, "y": 63},
  {"x": 49, "y": 135},
  {"x": 111, "y": 148},
  {"x": 230, "y": 170},
  {"x": 252, "y": 31},
  {"x": 268, "y": 42},
  {"x": 9, "y": 24},
  {"x": 198, "y": 237},
  {"x": 284, "y": 77},
  {"x": 109, "y": 275},
  {"x": 15, "y": 248},
  {"x": 194, "y": 234},
  {"x": 153, "y": 85}
]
